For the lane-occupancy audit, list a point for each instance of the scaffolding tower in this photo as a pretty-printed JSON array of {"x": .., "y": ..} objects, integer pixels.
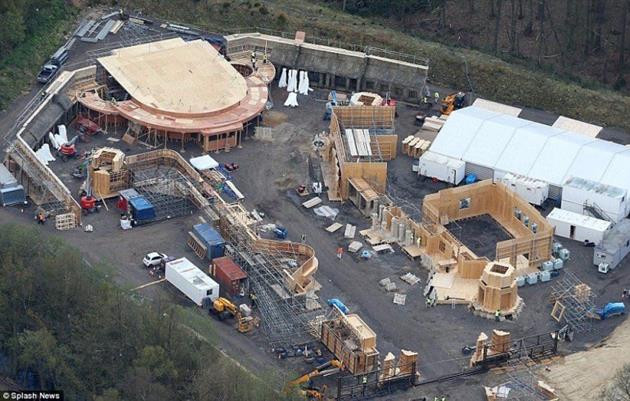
[
  {"x": 166, "y": 189},
  {"x": 522, "y": 382},
  {"x": 285, "y": 319},
  {"x": 574, "y": 302}
]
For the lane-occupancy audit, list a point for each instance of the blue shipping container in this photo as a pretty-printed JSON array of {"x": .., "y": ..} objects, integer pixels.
[
  {"x": 142, "y": 209},
  {"x": 211, "y": 238},
  {"x": 12, "y": 196}
]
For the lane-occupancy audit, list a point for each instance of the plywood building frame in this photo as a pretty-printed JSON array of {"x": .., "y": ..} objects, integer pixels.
[
  {"x": 443, "y": 253},
  {"x": 216, "y": 121},
  {"x": 339, "y": 162},
  {"x": 532, "y": 234}
]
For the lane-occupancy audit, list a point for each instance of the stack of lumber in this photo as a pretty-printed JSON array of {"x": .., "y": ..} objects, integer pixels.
[
  {"x": 433, "y": 123},
  {"x": 415, "y": 147}
]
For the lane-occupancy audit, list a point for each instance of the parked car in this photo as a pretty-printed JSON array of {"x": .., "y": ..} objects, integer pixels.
[
  {"x": 47, "y": 73},
  {"x": 153, "y": 259}
]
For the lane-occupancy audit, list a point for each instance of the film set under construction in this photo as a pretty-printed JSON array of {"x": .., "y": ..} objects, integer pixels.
[{"x": 345, "y": 221}]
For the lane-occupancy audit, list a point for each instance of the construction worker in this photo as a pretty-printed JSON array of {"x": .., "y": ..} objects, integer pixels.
[
  {"x": 41, "y": 218},
  {"x": 303, "y": 238},
  {"x": 254, "y": 60},
  {"x": 339, "y": 253},
  {"x": 497, "y": 315}
]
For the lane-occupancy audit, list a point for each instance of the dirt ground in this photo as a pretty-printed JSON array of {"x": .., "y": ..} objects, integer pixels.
[{"x": 269, "y": 172}]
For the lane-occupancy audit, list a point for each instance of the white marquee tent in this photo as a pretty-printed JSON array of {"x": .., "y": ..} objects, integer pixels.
[{"x": 493, "y": 144}]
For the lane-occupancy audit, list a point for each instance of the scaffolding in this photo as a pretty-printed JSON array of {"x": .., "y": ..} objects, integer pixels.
[
  {"x": 285, "y": 318},
  {"x": 574, "y": 303},
  {"x": 166, "y": 189},
  {"x": 522, "y": 383}
]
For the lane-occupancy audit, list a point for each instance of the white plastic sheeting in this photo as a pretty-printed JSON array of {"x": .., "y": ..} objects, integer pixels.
[
  {"x": 204, "y": 162},
  {"x": 292, "y": 81},
  {"x": 291, "y": 100},
  {"x": 282, "y": 83},
  {"x": 44, "y": 154},
  {"x": 513, "y": 145}
]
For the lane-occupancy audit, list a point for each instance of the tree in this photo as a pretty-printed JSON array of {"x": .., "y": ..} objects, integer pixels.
[
  {"x": 155, "y": 360},
  {"x": 622, "y": 38},
  {"x": 619, "y": 389},
  {"x": 497, "y": 26}
]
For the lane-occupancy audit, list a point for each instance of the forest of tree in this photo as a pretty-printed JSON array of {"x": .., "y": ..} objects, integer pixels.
[
  {"x": 576, "y": 38},
  {"x": 66, "y": 327},
  {"x": 30, "y": 31}
]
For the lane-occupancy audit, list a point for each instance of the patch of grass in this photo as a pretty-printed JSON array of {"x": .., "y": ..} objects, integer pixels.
[{"x": 19, "y": 67}]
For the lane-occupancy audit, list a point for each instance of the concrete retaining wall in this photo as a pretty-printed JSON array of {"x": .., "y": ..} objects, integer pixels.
[{"x": 336, "y": 68}]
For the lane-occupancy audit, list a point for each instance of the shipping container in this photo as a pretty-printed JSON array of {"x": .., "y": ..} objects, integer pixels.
[
  {"x": 11, "y": 193},
  {"x": 604, "y": 201},
  {"x": 229, "y": 275},
  {"x": 533, "y": 191},
  {"x": 211, "y": 239},
  {"x": 442, "y": 168},
  {"x": 191, "y": 281},
  {"x": 577, "y": 226},
  {"x": 141, "y": 209},
  {"x": 615, "y": 246}
]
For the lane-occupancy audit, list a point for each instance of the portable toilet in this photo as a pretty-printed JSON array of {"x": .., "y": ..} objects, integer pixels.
[
  {"x": 558, "y": 264},
  {"x": 532, "y": 278},
  {"x": 545, "y": 276},
  {"x": 564, "y": 254},
  {"x": 547, "y": 265}
]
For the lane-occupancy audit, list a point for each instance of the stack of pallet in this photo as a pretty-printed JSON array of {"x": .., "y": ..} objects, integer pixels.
[
  {"x": 415, "y": 147},
  {"x": 433, "y": 123},
  {"x": 66, "y": 221}
]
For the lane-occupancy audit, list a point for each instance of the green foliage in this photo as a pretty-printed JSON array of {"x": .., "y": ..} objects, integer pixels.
[
  {"x": 31, "y": 30},
  {"x": 619, "y": 388},
  {"x": 77, "y": 332}
]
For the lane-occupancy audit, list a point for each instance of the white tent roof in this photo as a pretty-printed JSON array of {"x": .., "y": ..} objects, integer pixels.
[{"x": 515, "y": 145}]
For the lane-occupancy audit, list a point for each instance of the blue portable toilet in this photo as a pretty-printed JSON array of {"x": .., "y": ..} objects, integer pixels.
[{"x": 211, "y": 239}]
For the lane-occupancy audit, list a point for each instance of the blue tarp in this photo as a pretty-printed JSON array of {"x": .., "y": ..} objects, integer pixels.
[
  {"x": 142, "y": 209},
  {"x": 336, "y": 302}
]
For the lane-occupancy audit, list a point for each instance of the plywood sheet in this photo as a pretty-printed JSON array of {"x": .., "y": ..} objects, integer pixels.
[{"x": 177, "y": 76}]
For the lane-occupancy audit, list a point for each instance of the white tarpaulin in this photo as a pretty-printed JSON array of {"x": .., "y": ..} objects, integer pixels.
[
  {"x": 44, "y": 154},
  {"x": 282, "y": 83},
  {"x": 204, "y": 162},
  {"x": 291, "y": 100}
]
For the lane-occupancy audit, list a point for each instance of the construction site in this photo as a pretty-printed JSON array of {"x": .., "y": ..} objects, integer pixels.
[{"x": 369, "y": 239}]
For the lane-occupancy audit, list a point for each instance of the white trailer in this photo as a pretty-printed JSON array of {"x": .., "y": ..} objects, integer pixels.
[
  {"x": 533, "y": 191},
  {"x": 443, "y": 168},
  {"x": 191, "y": 280},
  {"x": 590, "y": 197},
  {"x": 578, "y": 226}
]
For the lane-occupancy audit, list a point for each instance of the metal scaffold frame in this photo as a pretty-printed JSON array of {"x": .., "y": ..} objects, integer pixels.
[
  {"x": 522, "y": 382},
  {"x": 166, "y": 189},
  {"x": 578, "y": 307},
  {"x": 285, "y": 319}
]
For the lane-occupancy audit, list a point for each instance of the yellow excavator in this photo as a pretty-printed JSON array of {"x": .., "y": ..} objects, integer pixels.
[
  {"x": 223, "y": 308},
  {"x": 453, "y": 102},
  {"x": 312, "y": 393}
]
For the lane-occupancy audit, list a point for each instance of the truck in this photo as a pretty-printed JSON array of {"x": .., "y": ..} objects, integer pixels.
[
  {"x": 47, "y": 73},
  {"x": 52, "y": 67}
]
